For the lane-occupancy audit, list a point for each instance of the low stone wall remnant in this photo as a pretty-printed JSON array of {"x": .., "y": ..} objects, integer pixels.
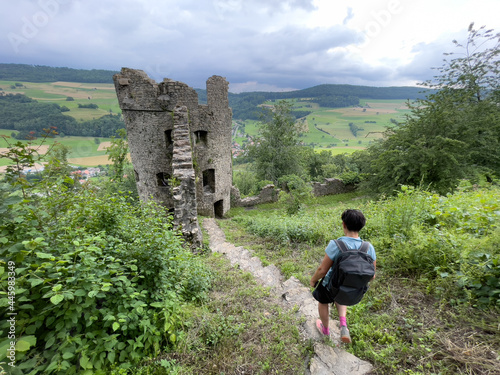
[
  {"x": 270, "y": 193},
  {"x": 331, "y": 186}
]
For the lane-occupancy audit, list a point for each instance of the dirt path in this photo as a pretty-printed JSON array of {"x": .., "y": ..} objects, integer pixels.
[{"x": 291, "y": 293}]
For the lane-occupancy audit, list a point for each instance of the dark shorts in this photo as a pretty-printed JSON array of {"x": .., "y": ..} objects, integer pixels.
[
  {"x": 321, "y": 294},
  {"x": 344, "y": 295}
]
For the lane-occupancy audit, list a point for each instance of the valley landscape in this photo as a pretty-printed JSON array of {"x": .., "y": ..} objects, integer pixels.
[
  {"x": 117, "y": 291},
  {"x": 323, "y": 128}
]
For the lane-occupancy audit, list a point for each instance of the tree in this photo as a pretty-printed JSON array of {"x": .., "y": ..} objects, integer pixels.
[
  {"x": 118, "y": 154},
  {"x": 276, "y": 150},
  {"x": 454, "y": 132},
  {"x": 57, "y": 166}
]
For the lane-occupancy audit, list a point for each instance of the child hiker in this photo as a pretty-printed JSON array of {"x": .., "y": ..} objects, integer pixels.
[{"x": 352, "y": 222}]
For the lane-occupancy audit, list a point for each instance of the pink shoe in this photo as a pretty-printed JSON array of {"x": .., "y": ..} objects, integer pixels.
[
  {"x": 322, "y": 329},
  {"x": 345, "y": 337}
]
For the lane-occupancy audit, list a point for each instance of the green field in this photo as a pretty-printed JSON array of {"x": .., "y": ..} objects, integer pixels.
[
  {"x": 83, "y": 150},
  {"x": 328, "y": 128},
  {"x": 101, "y": 94},
  {"x": 323, "y": 129}
]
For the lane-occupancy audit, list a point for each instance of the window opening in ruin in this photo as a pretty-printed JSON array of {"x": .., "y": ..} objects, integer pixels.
[
  {"x": 162, "y": 179},
  {"x": 209, "y": 181},
  {"x": 200, "y": 137},
  {"x": 219, "y": 209},
  {"x": 136, "y": 176},
  {"x": 168, "y": 138}
]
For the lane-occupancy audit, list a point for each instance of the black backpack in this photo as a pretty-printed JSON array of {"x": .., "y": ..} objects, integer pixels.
[{"x": 352, "y": 271}]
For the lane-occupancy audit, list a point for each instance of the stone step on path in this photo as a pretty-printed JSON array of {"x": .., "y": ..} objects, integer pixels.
[{"x": 291, "y": 293}]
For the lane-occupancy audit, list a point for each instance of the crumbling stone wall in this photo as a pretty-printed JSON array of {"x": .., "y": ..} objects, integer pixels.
[
  {"x": 148, "y": 110},
  {"x": 184, "y": 181},
  {"x": 331, "y": 186},
  {"x": 270, "y": 193}
]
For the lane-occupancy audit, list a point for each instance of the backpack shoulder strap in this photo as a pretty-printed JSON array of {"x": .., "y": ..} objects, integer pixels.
[
  {"x": 341, "y": 245},
  {"x": 364, "y": 247}
]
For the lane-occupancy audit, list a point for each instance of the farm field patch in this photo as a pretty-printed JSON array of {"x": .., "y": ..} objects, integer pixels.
[
  {"x": 328, "y": 128},
  {"x": 101, "y": 94}
]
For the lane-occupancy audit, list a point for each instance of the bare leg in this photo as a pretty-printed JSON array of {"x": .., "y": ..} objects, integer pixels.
[
  {"x": 345, "y": 337},
  {"x": 342, "y": 310},
  {"x": 323, "y": 311}
]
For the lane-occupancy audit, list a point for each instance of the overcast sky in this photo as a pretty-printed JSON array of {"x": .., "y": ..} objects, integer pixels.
[{"x": 256, "y": 44}]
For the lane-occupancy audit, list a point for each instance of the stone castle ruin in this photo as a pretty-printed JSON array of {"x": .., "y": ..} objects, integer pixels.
[{"x": 180, "y": 150}]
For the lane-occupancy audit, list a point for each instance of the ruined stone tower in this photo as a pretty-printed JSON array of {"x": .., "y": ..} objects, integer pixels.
[{"x": 180, "y": 150}]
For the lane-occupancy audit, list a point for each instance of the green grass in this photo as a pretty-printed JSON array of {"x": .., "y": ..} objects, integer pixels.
[
  {"x": 56, "y": 92},
  {"x": 242, "y": 329},
  {"x": 406, "y": 324},
  {"x": 335, "y": 121}
]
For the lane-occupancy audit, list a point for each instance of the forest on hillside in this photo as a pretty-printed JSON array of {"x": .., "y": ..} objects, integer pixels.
[
  {"x": 246, "y": 105},
  {"x": 29, "y": 118},
  {"x": 41, "y": 73}
]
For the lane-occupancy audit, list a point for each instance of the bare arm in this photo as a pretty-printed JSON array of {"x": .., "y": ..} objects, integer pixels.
[
  {"x": 374, "y": 265},
  {"x": 322, "y": 270}
]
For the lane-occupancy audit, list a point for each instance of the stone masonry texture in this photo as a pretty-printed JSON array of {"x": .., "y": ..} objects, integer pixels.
[
  {"x": 184, "y": 181},
  {"x": 148, "y": 110}
]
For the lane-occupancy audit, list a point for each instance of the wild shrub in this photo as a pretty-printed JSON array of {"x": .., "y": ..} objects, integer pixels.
[
  {"x": 480, "y": 271},
  {"x": 98, "y": 282},
  {"x": 245, "y": 182},
  {"x": 282, "y": 228},
  {"x": 298, "y": 192}
]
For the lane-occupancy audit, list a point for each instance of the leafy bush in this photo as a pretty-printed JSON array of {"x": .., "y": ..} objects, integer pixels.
[
  {"x": 246, "y": 182},
  {"x": 98, "y": 281},
  {"x": 299, "y": 191},
  {"x": 480, "y": 273}
]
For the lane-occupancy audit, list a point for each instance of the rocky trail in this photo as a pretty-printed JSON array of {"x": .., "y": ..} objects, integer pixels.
[{"x": 291, "y": 293}]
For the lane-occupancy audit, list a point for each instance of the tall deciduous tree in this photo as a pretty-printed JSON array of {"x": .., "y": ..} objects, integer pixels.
[
  {"x": 453, "y": 133},
  {"x": 276, "y": 150}
]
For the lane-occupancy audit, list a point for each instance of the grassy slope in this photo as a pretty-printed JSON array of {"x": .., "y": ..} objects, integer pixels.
[
  {"x": 240, "y": 330},
  {"x": 83, "y": 150},
  {"x": 400, "y": 326}
]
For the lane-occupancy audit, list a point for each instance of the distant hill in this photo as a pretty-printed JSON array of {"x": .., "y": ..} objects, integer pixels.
[
  {"x": 245, "y": 105},
  {"x": 40, "y": 73},
  {"x": 362, "y": 92}
]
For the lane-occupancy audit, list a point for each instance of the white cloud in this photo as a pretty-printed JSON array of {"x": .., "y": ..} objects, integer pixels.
[{"x": 262, "y": 44}]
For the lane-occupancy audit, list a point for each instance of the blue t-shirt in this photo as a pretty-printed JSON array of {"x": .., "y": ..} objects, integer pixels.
[{"x": 333, "y": 252}]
